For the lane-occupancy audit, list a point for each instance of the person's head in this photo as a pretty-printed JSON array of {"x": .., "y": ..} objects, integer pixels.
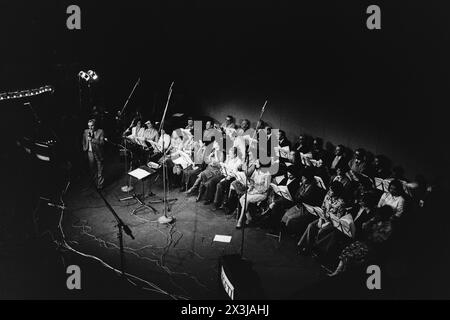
[
  {"x": 92, "y": 124},
  {"x": 281, "y": 135},
  {"x": 268, "y": 130},
  {"x": 378, "y": 161},
  {"x": 395, "y": 188},
  {"x": 307, "y": 177},
  {"x": 208, "y": 125},
  {"x": 229, "y": 120},
  {"x": 257, "y": 164},
  {"x": 138, "y": 123},
  {"x": 360, "y": 154},
  {"x": 177, "y": 169},
  {"x": 339, "y": 150},
  {"x": 149, "y": 124},
  {"x": 163, "y": 131},
  {"x": 292, "y": 156},
  {"x": 341, "y": 170},
  {"x": 245, "y": 124},
  {"x": 336, "y": 189},
  {"x": 190, "y": 122},
  {"x": 301, "y": 139},
  {"x": 317, "y": 143}
]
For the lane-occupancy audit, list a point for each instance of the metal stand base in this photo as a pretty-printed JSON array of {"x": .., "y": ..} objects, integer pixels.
[
  {"x": 141, "y": 206},
  {"x": 162, "y": 201},
  {"x": 165, "y": 220}
]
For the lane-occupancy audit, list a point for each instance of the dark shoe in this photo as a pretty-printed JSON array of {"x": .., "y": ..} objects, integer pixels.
[{"x": 215, "y": 207}]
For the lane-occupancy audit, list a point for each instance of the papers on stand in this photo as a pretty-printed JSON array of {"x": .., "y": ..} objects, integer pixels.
[
  {"x": 320, "y": 183},
  {"x": 153, "y": 165},
  {"x": 278, "y": 179},
  {"x": 183, "y": 159},
  {"x": 139, "y": 173},
  {"x": 344, "y": 224},
  {"x": 282, "y": 191}
]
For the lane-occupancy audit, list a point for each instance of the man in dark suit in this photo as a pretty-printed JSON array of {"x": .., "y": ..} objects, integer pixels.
[{"x": 93, "y": 141}]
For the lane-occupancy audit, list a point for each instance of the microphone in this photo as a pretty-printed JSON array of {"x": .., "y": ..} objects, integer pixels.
[{"x": 54, "y": 205}]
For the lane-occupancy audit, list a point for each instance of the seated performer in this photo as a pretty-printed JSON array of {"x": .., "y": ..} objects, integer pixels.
[
  {"x": 394, "y": 198},
  {"x": 138, "y": 144},
  {"x": 339, "y": 157},
  {"x": 212, "y": 170},
  {"x": 228, "y": 124},
  {"x": 329, "y": 246},
  {"x": 358, "y": 164},
  {"x": 150, "y": 134},
  {"x": 332, "y": 204},
  {"x": 280, "y": 203},
  {"x": 258, "y": 186},
  {"x": 190, "y": 125},
  {"x": 372, "y": 244},
  {"x": 237, "y": 187},
  {"x": 163, "y": 145},
  {"x": 297, "y": 217},
  {"x": 229, "y": 170}
]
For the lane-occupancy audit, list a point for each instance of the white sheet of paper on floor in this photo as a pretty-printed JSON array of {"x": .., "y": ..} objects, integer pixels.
[
  {"x": 221, "y": 238},
  {"x": 139, "y": 173}
]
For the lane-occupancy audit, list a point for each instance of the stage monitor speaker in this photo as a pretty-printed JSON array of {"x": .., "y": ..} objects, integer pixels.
[{"x": 237, "y": 279}]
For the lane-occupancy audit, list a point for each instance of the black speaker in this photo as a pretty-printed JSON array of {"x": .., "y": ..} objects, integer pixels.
[{"x": 237, "y": 279}]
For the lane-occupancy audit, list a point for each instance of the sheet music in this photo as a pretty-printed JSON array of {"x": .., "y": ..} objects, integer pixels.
[
  {"x": 344, "y": 224},
  {"x": 282, "y": 191},
  {"x": 284, "y": 152},
  {"x": 183, "y": 159},
  {"x": 139, "y": 173},
  {"x": 279, "y": 179},
  {"x": 320, "y": 182},
  {"x": 221, "y": 238},
  {"x": 315, "y": 163}
]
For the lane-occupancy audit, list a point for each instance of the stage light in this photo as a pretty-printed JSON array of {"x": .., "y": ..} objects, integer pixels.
[
  {"x": 93, "y": 75},
  {"x": 25, "y": 93},
  {"x": 89, "y": 76},
  {"x": 83, "y": 75}
]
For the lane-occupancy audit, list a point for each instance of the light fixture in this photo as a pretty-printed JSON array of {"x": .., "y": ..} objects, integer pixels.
[
  {"x": 25, "y": 93},
  {"x": 93, "y": 75},
  {"x": 89, "y": 76}
]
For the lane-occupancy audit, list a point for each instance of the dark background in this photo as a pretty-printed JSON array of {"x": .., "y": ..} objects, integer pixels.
[{"x": 323, "y": 71}]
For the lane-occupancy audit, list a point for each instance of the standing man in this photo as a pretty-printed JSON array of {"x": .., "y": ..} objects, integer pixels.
[{"x": 93, "y": 141}]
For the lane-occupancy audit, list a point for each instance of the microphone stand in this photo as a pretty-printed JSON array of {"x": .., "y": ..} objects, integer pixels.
[
  {"x": 247, "y": 160},
  {"x": 165, "y": 219},
  {"x": 128, "y": 187}
]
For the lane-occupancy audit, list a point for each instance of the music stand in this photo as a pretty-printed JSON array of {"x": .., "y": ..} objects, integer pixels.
[{"x": 140, "y": 173}]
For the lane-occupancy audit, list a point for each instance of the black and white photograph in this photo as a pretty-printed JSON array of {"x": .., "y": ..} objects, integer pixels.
[{"x": 224, "y": 156}]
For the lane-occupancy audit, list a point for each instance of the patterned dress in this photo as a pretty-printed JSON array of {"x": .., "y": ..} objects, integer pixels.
[{"x": 360, "y": 252}]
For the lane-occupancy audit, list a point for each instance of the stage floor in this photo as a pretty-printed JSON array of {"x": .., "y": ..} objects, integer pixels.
[{"x": 181, "y": 258}]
